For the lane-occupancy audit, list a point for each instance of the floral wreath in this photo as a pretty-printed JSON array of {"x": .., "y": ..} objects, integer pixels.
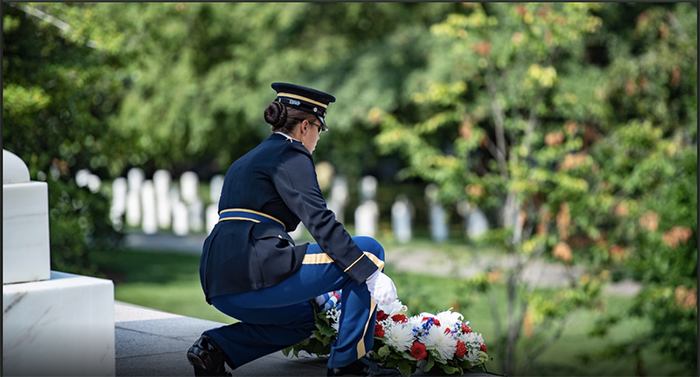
[{"x": 424, "y": 341}]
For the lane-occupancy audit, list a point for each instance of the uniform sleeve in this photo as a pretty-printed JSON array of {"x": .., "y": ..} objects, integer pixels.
[{"x": 296, "y": 182}]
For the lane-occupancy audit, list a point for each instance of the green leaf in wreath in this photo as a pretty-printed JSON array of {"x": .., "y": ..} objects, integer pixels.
[
  {"x": 448, "y": 369},
  {"x": 384, "y": 351},
  {"x": 405, "y": 368},
  {"x": 464, "y": 364},
  {"x": 328, "y": 331},
  {"x": 429, "y": 364},
  {"x": 405, "y": 355}
]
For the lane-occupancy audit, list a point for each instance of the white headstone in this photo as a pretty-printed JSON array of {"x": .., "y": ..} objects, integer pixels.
[
  {"x": 149, "y": 223},
  {"x": 180, "y": 223},
  {"x": 439, "y": 229},
  {"x": 368, "y": 188},
  {"x": 215, "y": 186},
  {"x": 212, "y": 216},
  {"x": 189, "y": 187},
  {"x": 81, "y": 177},
  {"x": 195, "y": 215},
  {"x": 161, "y": 183},
  {"x": 135, "y": 178},
  {"x": 401, "y": 213},
  {"x": 339, "y": 197},
  {"x": 366, "y": 218},
  {"x": 118, "y": 208},
  {"x": 94, "y": 183},
  {"x": 478, "y": 223},
  {"x": 475, "y": 221}
]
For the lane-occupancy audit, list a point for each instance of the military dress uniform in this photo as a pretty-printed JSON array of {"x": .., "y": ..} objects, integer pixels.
[{"x": 252, "y": 270}]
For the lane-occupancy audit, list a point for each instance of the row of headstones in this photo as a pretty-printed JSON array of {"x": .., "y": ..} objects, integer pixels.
[
  {"x": 161, "y": 203},
  {"x": 403, "y": 212}
]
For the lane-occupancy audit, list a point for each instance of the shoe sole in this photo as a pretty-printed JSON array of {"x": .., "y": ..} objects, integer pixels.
[{"x": 201, "y": 362}]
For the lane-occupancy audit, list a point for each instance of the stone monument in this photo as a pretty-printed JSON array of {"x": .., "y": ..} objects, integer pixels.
[{"x": 54, "y": 323}]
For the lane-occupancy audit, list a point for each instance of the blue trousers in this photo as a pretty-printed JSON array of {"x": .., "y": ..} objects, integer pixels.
[{"x": 282, "y": 315}]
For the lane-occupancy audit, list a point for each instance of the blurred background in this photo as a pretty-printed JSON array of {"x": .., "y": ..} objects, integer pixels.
[{"x": 517, "y": 160}]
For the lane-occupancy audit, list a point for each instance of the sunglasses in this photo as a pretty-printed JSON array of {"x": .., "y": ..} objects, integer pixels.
[{"x": 317, "y": 125}]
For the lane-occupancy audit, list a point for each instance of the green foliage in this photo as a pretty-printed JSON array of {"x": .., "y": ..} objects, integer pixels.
[
  {"x": 577, "y": 125},
  {"x": 54, "y": 119}
]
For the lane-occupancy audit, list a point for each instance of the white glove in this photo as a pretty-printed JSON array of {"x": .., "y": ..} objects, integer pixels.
[{"x": 381, "y": 288}]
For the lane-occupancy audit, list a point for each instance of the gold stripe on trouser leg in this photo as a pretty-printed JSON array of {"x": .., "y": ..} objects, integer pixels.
[
  {"x": 323, "y": 258},
  {"x": 361, "y": 345}
]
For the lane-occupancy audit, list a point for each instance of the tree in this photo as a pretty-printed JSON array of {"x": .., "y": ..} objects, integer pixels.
[
  {"x": 56, "y": 85},
  {"x": 514, "y": 109},
  {"x": 651, "y": 172},
  {"x": 201, "y": 73}
]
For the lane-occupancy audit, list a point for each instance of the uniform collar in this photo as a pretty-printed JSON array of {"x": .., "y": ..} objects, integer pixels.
[{"x": 287, "y": 137}]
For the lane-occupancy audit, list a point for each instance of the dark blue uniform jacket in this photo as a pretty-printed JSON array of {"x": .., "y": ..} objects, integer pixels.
[{"x": 276, "y": 178}]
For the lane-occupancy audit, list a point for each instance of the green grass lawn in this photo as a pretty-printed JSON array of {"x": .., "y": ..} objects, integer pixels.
[{"x": 170, "y": 282}]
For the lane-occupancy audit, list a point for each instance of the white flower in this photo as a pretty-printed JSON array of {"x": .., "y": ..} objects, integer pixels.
[
  {"x": 472, "y": 339},
  {"x": 472, "y": 356},
  {"x": 394, "y": 308},
  {"x": 400, "y": 337},
  {"x": 415, "y": 322},
  {"x": 333, "y": 315},
  {"x": 450, "y": 319},
  {"x": 436, "y": 339}
]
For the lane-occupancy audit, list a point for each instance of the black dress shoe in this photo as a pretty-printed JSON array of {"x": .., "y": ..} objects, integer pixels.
[
  {"x": 363, "y": 367},
  {"x": 207, "y": 357}
]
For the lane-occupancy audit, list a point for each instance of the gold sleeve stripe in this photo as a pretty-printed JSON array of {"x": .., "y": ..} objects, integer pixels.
[
  {"x": 238, "y": 218},
  {"x": 251, "y": 211},
  {"x": 375, "y": 259},
  {"x": 353, "y": 263},
  {"x": 361, "y": 344},
  {"x": 302, "y": 98}
]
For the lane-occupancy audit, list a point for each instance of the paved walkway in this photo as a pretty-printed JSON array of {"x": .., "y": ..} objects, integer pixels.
[
  {"x": 407, "y": 259},
  {"x": 154, "y": 343}
]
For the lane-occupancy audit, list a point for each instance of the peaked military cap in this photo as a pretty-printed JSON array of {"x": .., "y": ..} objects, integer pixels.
[{"x": 306, "y": 99}]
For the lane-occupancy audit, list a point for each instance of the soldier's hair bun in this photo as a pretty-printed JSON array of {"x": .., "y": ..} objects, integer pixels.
[{"x": 276, "y": 114}]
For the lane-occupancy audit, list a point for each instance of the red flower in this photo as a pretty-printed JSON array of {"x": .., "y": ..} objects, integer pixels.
[
  {"x": 466, "y": 329},
  {"x": 483, "y": 348},
  {"x": 447, "y": 330},
  {"x": 461, "y": 349},
  {"x": 381, "y": 315},
  {"x": 400, "y": 318},
  {"x": 378, "y": 330},
  {"x": 418, "y": 350}
]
